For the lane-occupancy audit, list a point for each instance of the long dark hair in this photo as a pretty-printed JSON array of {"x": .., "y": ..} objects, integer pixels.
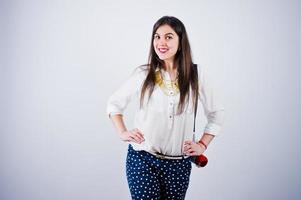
[{"x": 183, "y": 62}]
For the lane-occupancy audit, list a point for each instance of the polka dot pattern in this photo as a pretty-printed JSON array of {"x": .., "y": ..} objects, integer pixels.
[{"x": 153, "y": 178}]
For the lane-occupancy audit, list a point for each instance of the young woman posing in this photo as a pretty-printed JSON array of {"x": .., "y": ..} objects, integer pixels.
[{"x": 158, "y": 162}]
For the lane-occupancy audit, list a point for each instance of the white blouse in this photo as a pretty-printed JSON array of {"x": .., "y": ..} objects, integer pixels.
[{"x": 164, "y": 130}]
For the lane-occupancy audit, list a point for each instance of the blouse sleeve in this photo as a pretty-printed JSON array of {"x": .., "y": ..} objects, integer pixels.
[
  {"x": 213, "y": 107},
  {"x": 119, "y": 100}
]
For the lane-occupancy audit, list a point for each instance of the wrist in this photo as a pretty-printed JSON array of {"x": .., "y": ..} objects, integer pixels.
[{"x": 201, "y": 143}]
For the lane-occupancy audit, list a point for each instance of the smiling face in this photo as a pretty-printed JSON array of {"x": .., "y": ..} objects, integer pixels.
[{"x": 166, "y": 43}]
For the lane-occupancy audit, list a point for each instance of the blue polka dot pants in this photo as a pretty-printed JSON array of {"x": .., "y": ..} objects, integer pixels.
[{"x": 156, "y": 179}]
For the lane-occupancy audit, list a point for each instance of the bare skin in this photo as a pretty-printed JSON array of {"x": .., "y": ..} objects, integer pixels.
[
  {"x": 134, "y": 135},
  {"x": 191, "y": 148},
  {"x": 166, "y": 44}
]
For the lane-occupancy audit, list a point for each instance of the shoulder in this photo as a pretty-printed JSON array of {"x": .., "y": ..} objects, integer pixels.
[
  {"x": 141, "y": 69},
  {"x": 199, "y": 69},
  {"x": 139, "y": 73},
  {"x": 203, "y": 73}
]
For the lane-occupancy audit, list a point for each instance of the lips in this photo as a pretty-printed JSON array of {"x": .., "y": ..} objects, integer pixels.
[{"x": 162, "y": 50}]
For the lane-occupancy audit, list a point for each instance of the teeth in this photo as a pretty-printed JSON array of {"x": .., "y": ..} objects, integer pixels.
[{"x": 163, "y": 50}]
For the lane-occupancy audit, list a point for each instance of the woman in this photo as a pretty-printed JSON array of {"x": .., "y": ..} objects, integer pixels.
[{"x": 158, "y": 162}]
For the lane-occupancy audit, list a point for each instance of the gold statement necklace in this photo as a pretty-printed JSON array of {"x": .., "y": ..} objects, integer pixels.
[{"x": 169, "y": 87}]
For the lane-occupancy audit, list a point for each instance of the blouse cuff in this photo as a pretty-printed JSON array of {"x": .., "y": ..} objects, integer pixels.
[
  {"x": 112, "y": 110},
  {"x": 212, "y": 129}
]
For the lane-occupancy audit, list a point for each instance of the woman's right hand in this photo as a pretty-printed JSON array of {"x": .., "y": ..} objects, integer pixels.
[{"x": 134, "y": 135}]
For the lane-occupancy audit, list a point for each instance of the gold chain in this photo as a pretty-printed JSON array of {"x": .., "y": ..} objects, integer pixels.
[{"x": 169, "y": 87}]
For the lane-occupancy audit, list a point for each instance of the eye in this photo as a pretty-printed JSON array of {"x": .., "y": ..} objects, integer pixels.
[
  {"x": 168, "y": 37},
  {"x": 157, "y": 37}
]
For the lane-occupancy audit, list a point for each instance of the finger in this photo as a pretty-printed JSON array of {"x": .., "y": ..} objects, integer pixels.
[
  {"x": 190, "y": 153},
  {"x": 136, "y": 130},
  {"x": 135, "y": 138},
  {"x": 186, "y": 148},
  {"x": 131, "y": 139},
  {"x": 139, "y": 132},
  {"x": 188, "y": 142},
  {"x": 191, "y": 150},
  {"x": 139, "y": 137}
]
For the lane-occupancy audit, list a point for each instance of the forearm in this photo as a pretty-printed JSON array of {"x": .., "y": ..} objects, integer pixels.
[
  {"x": 134, "y": 135},
  {"x": 207, "y": 138},
  {"x": 118, "y": 123}
]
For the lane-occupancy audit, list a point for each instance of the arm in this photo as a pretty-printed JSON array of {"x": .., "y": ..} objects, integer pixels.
[
  {"x": 206, "y": 139},
  {"x": 134, "y": 135},
  {"x": 197, "y": 148},
  {"x": 118, "y": 102},
  {"x": 214, "y": 112}
]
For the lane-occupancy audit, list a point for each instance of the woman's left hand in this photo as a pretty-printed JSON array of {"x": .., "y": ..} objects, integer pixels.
[{"x": 193, "y": 149}]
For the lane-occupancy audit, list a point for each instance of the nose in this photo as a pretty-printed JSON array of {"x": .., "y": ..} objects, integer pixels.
[{"x": 162, "y": 41}]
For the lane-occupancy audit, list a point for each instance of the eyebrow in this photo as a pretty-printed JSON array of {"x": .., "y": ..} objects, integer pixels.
[{"x": 165, "y": 34}]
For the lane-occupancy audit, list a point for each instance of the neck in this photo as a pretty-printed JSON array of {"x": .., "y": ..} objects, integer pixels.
[{"x": 169, "y": 66}]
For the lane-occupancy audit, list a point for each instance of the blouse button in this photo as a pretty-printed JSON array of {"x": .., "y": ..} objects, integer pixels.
[{"x": 171, "y": 92}]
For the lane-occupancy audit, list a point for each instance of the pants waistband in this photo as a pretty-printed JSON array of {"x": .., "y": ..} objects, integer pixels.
[{"x": 163, "y": 156}]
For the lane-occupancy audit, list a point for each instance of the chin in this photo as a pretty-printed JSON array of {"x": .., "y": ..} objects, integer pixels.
[{"x": 164, "y": 57}]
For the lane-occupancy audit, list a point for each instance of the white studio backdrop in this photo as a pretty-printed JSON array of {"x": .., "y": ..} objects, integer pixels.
[{"x": 61, "y": 60}]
